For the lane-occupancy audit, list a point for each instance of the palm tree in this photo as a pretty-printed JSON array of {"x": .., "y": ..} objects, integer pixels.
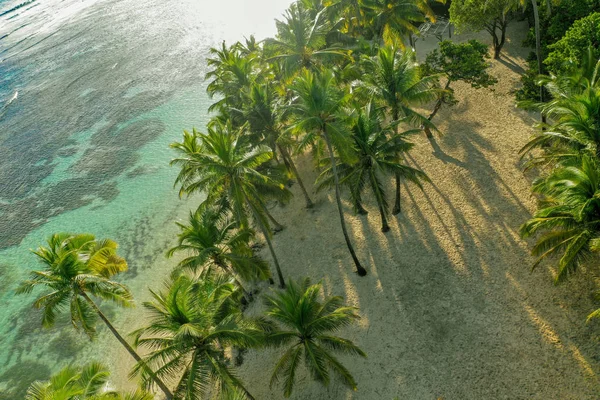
[
  {"x": 574, "y": 128},
  {"x": 301, "y": 41},
  {"x": 222, "y": 165},
  {"x": 192, "y": 323},
  {"x": 212, "y": 238},
  {"x": 569, "y": 217},
  {"x": 77, "y": 266},
  {"x": 264, "y": 118},
  {"x": 393, "y": 78},
  {"x": 307, "y": 334},
  {"x": 80, "y": 383},
  {"x": 317, "y": 113},
  {"x": 378, "y": 150},
  {"x": 233, "y": 71},
  {"x": 395, "y": 20}
]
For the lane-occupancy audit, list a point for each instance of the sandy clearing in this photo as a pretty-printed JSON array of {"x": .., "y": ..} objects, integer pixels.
[{"x": 449, "y": 309}]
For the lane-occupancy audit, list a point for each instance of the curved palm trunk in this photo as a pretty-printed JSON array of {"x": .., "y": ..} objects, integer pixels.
[
  {"x": 286, "y": 156},
  {"x": 359, "y": 268},
  {"x": 128, "y": 347},
  {"x": 267, "y": 236}
]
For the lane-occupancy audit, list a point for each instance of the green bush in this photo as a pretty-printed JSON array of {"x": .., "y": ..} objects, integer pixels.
[{"x": 584, "y": 33}]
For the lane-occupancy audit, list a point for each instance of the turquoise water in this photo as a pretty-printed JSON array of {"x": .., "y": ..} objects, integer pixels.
[{"x": 102, "y": 87}]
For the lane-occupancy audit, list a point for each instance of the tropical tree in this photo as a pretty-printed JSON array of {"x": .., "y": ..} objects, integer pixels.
[
  {"x": 233, "y": 71},
  {"x": 213, "y": 239},
  {"x": 574, "y": 114},
  {"x": 317, "y": 113},
  {"x": 87, "y": 382},
  {"x": 222, "y": 165},
  {"x": 192, "y": 323},
  {"x": 264, "y": 115},
  {"x": 378, "y": 149},
  {"x": 75, "y": 267},
  {"x": 491, "y": 15},
  {"x": 569, "y": 216},
  {"x": 394, "y": 79},
  {"x": 584, "y": 33},
  {"x": 394, "y": 21},
  {"x": 301, "y": 41},
  {"x": 307, "y": 334},
  {"x": 465, "y": 62}
]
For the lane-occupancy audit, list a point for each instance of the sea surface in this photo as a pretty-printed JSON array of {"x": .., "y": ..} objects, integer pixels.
[{"x": 91, "y": 94}]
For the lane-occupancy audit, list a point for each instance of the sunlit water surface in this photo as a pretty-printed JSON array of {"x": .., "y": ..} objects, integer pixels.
[{"x": 91, "y": 94}]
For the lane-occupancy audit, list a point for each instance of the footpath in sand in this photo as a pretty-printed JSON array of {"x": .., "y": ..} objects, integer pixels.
[{"x": 449, "y": 308}]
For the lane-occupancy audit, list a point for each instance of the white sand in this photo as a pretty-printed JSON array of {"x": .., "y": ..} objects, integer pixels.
[{"x": 449, "y": 308}]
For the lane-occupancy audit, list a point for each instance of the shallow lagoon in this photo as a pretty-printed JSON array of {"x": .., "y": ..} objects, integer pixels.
[{"x": 103, "y": 88}]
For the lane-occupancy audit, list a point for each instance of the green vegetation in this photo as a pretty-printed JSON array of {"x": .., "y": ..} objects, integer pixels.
[
  {"x": 337, "y": 82},
  {"x": 80, "y": 383},
  {"x": 569, "y": 146},
  {"x": 491, "y": 15},
  {"x": 307, "y": 334},
  {"x": 465, "y": 62}
]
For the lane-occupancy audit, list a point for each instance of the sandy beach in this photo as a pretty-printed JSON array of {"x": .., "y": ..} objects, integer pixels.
[{"x": 450, "y": 308}]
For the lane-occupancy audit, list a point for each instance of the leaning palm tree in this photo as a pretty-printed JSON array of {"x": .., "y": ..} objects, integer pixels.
[
  {"x": 192, "y": 324},
  {"x": 378, "y": 149},
  {"x": 77, "y": 266},
  {"x": 80, "y": 383},
  {"x": 213, "y": 239},
  {"x": 393, "y": 79},
  {"x": 569, "y": 218},
  {"x": 317, "y": 113},
  {"x": 307, "y": 334},
  {"x": 223, "y": 165},
  {"x": 263, "y": 113}
]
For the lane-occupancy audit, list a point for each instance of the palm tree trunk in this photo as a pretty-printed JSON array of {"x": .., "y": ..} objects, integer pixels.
[
  {"x": 267, "y": 236},
  {"x": 380, "y": 201},
  {"x": 397, "y": 208},
  {"x": 359, "y": 268},
  {"x": 359, "y": 208},
  {"x": 538, "y": 48},
  {"x": 128, "y": 347},
  {"x": 276, "y": 225},
  {"x": 286, "y": 156},
  {"x": 384, "y": 224}
]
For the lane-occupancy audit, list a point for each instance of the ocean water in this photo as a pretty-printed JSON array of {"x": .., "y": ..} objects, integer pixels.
[{"x": 91, "y": 94}]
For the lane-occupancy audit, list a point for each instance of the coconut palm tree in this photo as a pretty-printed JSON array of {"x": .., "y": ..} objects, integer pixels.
[
  {"x": 223, "y": 165},
  {"x": 213, "y": 239},
  {"x": 192, "y": 323},
  {"x": 233, "y": 71},
  {"x": 574, "y": 126},
  {"x": 301, "y": 41},
  {"x": 80, "y": 383},
  {"x": 393, "y": 79},
  {"x": 569, "y": 217},
  {"x": 317, "y": 113},
  {"x": 393, "y": 21},
  {"x": 307, "y": 334},
  {"x": 263, "y": 113},
  {"x": 378, "y": 149},
  {"x": 77, "y": 266}
]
